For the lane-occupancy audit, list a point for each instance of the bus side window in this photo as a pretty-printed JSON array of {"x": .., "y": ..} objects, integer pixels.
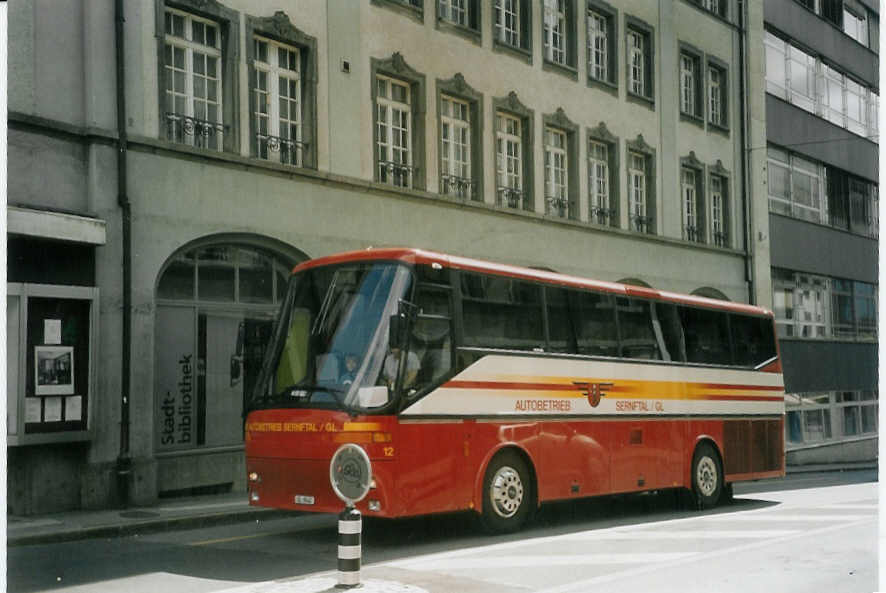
[
  {"x": 561, "y": 329},
  {"x": 594, "y": 316},
  {"x": 636, "y": 333},
  {"x": 500, "y": 312},
  {"x": 707, "y": 336},
  {"x": 431, "y": 339},
  {"x": 671, "y": 329},
  {"x": 752, "y": 340}
]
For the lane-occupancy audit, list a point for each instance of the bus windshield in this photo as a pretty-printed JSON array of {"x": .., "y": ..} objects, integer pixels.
[{"x": 330, "y": 344}]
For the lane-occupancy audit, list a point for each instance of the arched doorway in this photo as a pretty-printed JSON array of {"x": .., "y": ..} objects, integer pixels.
[
  {"x": 216, "y": 301},
  {"x": 711, "y": 293},
  {"x": 634, "y": 282}
]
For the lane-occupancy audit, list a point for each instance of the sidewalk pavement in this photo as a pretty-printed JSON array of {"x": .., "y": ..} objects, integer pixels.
[
  {"x": 164, "y": 515},
  {"x": 194, "y": 512}
]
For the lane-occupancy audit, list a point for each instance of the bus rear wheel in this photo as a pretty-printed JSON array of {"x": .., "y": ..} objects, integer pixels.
[
  {"x": 507, "y": 493},
  {"x": 707, "y": 476}
]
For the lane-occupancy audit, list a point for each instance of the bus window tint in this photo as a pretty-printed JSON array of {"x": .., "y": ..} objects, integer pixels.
[
  {"x": 501, "y": 313},
  {"x": 752, "y": 340},
  {"x": 595, "y": 323},
  {"x": 637, "y": 336},
  {"x": 561, "y": 333},
  {"x": 666, "y": 321},
  {"x": 431, "y": 339},
  {"x": 707, "y": 336}
]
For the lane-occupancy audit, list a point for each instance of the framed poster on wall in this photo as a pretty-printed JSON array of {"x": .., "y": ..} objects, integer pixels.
[{"x": 53, "y": 370}]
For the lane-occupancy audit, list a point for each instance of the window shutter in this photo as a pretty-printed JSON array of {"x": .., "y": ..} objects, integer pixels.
[
  {"x": 525, "y": 24},
  {"x": 474, "y": 14}
]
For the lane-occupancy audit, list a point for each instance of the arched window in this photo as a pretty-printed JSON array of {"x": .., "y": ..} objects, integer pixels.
[{"x": 215, "y": 307}]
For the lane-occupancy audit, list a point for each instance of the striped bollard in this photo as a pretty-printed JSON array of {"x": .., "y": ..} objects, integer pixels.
[{"x": 350, "y": 524}]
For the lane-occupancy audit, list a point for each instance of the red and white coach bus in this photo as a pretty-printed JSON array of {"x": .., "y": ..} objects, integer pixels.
[{"x": 496, "y": 388}]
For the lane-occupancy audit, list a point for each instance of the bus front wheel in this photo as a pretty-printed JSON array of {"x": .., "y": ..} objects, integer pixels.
[
  {"x": 507, "y": 492},
  {"x": 707, "y": 476}
]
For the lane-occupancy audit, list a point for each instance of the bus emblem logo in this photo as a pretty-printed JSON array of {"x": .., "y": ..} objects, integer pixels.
[{"x": 593, "y": 391}]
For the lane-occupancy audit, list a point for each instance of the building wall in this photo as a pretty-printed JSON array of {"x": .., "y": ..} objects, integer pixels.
[
  {"x": 827, "y": 373},
  {"x": 63, "y": 114}
]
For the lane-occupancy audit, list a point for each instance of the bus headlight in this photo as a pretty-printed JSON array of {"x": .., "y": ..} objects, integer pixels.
[
  {"x": 253, "y": 496},
  {"x": 254, "y": 477},
  {"x": 374, "y": 505}
]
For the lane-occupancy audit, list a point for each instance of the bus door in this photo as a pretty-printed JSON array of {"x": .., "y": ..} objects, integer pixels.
[{"x": 432, "y": 448}]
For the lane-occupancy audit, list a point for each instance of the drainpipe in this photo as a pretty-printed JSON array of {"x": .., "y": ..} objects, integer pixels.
[
  {"x": 746, "y": 202},
  {"x": 124, "y": 461}
]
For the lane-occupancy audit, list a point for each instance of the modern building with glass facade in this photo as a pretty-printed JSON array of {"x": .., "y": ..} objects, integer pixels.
[
  {"x": 158, "y": 199},
  {"x": 822, "y": 104}
]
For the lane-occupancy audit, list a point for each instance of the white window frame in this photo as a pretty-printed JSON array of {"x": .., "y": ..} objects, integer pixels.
[
  {"x": 556, "y": 171},
  {"x": 554, "y": 30},
  {"x": 455, "y": 141},
  {"x": 855, "y": 26},
  {"x": 795, "y": 165},
  {"x": 689, "y": 199},
  {"x": 392, "y": 169},
  {"x": 509, "y": 156},
  {"x": 637, "y": 190},
  {"x": 196, "y": 131},
  {"x": 598, "y": 182},
  {"x": 507, "y": 22},
  {"x": 711, "y": 6},
  {"x": 288, "y": 147},
  {"x": 719, "y": 233},
  {"x": 454, "y": 11},
  {"x": 715, "y": 96},
  {"x": 688, "y": 82},
  {"x": 598, "y": 45},
  {"x": 637, "y": 60}
]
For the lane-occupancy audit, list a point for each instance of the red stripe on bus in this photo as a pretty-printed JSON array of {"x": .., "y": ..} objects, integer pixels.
[{"x": 745, "y": 398}]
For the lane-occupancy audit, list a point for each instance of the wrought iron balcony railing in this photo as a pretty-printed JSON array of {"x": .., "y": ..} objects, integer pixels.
[
  {"x": 193, "y": 131},
  {"x": 721, "y": 239},
  {"x": 284, "y": 150},
  {"x": 459, "y": 187},
  {"x": 641, "y": 224},
  {"x": 604, "y": 216},
  {"x": 557, "y": 206},
  {"x": 396, "y": 174},
  {"x": 508, "y": 196},
  {"x": 693, "y": 233}
]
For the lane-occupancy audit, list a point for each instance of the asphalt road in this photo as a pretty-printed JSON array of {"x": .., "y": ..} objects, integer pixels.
[{"x": 808, "y": 532}]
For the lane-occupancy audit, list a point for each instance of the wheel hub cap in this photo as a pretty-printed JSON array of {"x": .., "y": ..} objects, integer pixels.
[
  {"x": 706, "y": 476},
  {"x": 506, "y": 492}
]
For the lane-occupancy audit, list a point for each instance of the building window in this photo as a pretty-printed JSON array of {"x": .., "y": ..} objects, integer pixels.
[
  {"x": 791, "y": 75},
  {"x": 512, "y": 23},
  {"x": 690, "y": 89},
  {"x": 637, "y": 61},
  {"x": 638, "y": 195},
  {"x": 456, "y": 178},
  {"x": 598, "y": 46},
  {"x": 855, "y": 26},
  {"x": 639, "y": 55},
  {"x": 509, "y": 160},
  {"x": 601, "y": 210},
  {"x": 795, "y": 186},
  {"x": 718, "y": 114},
  {"x": 808, "y": 306},
  {"x": 556, "y": 173},
  {"x": 454, "y": 11},
  {"x": 192, "y": 67},
  {"x": 814, "y": 417},
  {"x": 690, "y": 197},
  {"x": 278, "y": 102},
  {"x": 393, "y": 146},
  {"x": 717, "y": 7},
  {"x": 554, "y": 31},
  {"x": 719, "y": 210},
  {"x": 832, "y": 96}
]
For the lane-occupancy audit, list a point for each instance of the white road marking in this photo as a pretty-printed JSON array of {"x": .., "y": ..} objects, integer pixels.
[
  {"x": 543, "y": 559},
  {"x": 585, "y": 585},
  {"x": 681, "y": 535},
  {"x": 771, "y": 517}
]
